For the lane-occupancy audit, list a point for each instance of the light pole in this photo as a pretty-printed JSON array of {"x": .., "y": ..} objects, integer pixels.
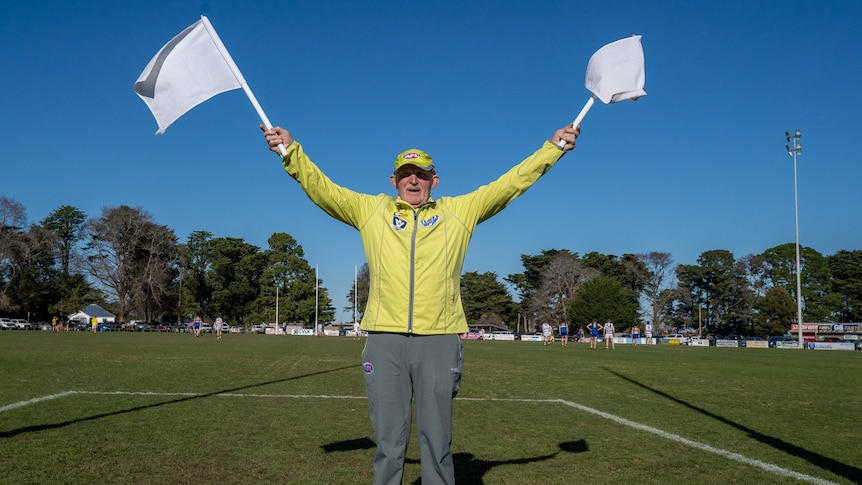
[{"x": 794, "y": 151}]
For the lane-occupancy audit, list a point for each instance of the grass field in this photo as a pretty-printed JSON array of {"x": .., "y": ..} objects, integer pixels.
[{"x": 149, "y": 408}]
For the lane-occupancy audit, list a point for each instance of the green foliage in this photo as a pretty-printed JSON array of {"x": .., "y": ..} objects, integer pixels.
[
  {"x": 846, "y": 269},
  {"x": 604, "y": 298},
  {"x": 776, "y": 312},
  {"x": 483, "y": 295}
]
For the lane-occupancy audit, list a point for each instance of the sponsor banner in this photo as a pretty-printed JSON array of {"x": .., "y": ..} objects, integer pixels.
[
  {"x": 302, "y": 331},
  {"x": 698, "y": 342},
  {"x": 757, "y": 344},
  {"x": 502, "y": 336},
  {"x": 781, "y": 344},
  {"x": 726, "y": 343},
  {"x": 470, "y": 336},
  {"x": 531, "y": 338},
  {"x": 831, "y": 346}
]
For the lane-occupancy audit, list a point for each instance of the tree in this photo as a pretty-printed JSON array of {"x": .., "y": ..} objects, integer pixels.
[
  {"x": 658, "y": 266},
  {"x": 816, "y": 279},
  {"x": 358, "y": 294},
  {"x": 561, "y": 278},
  {"x": 718, "y": 284},
  {"x": 67, "y": 223},
  {"x": 628, "y": 269},
  {"x": 776, "y": 312},
  {"x": 13, "y": 219},
  {"x": 132, "y": 257},
  {"x": 529, "y": 281},
  {"x": 235, "y": 278},
  {"x": 300, "y": 298},
  {"x": 846, "y": 269},
  {"x": 486, "y": 299},
  {"x": 604, "y": 298}
]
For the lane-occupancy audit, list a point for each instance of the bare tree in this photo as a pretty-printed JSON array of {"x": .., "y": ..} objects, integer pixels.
[
  {"x": 560, "y": 280},
  {"x": 133, "y": 257},
  {"x": 658, "y": 279}
]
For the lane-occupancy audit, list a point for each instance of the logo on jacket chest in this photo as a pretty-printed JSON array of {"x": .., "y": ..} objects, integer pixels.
[{"x": 399, "y": 221}]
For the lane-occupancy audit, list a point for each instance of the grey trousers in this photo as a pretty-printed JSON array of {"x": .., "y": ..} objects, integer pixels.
[{"x": 399, "y": 368}]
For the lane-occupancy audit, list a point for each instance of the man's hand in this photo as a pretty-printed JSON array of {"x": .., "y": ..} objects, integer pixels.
[
  {"x": 276, "y": 136},
  {"x": 567, "y": 135}
]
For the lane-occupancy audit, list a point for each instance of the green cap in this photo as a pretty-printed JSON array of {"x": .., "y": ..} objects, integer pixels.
[{"x": 415, "y": 157}]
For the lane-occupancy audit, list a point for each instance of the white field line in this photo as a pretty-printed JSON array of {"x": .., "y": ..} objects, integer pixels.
[
  {"x": 14, "y": 405},
  {"x": 768, "y": 467}
]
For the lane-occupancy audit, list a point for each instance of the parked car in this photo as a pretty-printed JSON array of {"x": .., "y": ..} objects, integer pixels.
[
  {"x": 104, "y": 327},
  {"x": 7, "y": 324},
  {"x": 206, "y": 328},
  {"x": 683, "y": 340},
  {"x": 22, "y": 324},
  {"x": 44, "y": 326},
  {"x": 773, "y": 339}
]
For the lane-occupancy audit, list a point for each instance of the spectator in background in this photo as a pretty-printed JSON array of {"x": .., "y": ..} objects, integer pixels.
[{"x": 636, "y": 334}]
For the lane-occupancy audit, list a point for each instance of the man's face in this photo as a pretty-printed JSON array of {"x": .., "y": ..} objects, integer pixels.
[{"x": 414, "y": 184}]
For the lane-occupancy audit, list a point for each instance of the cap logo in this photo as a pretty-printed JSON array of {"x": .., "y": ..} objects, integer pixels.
[{"x": 411, "y": 155}]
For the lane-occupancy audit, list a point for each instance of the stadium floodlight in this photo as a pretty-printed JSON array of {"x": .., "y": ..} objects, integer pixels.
[{"x": 794, "y": 151}]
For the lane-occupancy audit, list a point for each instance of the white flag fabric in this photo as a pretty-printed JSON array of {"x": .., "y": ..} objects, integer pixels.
[
  {"x": 190, "y": 69},
  {"x": 616, "y": 71}
]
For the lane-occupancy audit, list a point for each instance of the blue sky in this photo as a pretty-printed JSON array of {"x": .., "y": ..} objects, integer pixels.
[{"x": 698, "y": 164}]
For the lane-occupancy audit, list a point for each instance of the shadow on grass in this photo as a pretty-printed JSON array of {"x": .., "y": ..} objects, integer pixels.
[
  {"x": 468, "y": 468},
  {"x": 847, "y": 471},
  {"x": 42, "y": 427}
]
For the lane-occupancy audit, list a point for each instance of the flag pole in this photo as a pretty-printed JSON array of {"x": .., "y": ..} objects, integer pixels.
[
  {"x": 239, "y": 77},
  {"x": 581, "y": 115}
]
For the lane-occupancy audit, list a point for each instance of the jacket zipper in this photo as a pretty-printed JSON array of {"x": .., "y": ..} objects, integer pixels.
[{"x": 412, "y": 271}]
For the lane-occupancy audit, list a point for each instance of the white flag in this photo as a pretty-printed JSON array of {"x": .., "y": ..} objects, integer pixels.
[
  {"x": 190, "y": 69},
  {"x": 616, "y": 71}
]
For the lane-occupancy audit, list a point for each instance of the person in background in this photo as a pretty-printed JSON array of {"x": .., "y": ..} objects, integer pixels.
[
  {"x": 609, "y": 334},
  {"x": 547, "y": 331},
  {"x": 594, "y": 327},
  {"x": 196, "y": 326},
  {"x": 564, "y": 334},
  {"x": 636, "y": 333},
  {"x": 217, "y": 326},
  {"x": 415, "y": 247}
]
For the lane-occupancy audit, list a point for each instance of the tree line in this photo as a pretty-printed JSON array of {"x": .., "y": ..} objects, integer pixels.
[
  {"x": 136, "y": 268},
  {"x": 125, "y": 261}
]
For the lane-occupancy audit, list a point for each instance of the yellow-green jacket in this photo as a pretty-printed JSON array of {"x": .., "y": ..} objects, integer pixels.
[{"x": 415, "y": 256}]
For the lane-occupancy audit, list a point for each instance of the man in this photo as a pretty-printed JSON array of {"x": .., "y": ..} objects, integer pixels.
[
  {"x": 546, "y": 334},
  {"x": 609, "y": 334},
  {"x": 217, "y": 326},
  {"x": 94, "y": 323},
  {"x": 415, "y": 247},
  {"x": 357, "y": 332},
  {"x": 564, "y": 333},
  {"x": 648, "y": 333},
  {"x": 594, "y": 333}
]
